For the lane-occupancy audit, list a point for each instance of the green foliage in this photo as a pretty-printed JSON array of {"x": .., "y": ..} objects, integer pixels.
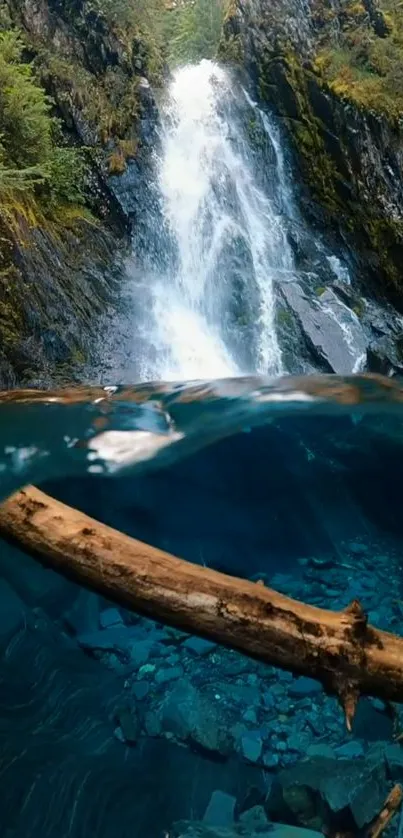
[
  {"x": 362, "y": 65},
  {"x": 109, "y": 103},
  {"x": 231, "y": 49},
  {"x": 193, "y": 30},
  {"x": 284, "y": 317},
  {"x": 35, "y": 173},
  {"x": 19, "y": 180},
  {"x": 66, "y": 174},
  {"x": 5, "y": 19},
  {"x": 25, "y": 125},
  {"x": 139, "y": 24}
]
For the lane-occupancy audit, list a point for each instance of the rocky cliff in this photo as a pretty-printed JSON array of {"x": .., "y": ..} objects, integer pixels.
[
  {"x": 331, "y": 69},
  {"x": 60, "y": 259}
]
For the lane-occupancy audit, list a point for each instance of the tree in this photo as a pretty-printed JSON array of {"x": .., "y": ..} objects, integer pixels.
[
  {"x": 194, "y": 30},
  {"x": 25, "y": 123},
  {"x": 29, "y": 154}
]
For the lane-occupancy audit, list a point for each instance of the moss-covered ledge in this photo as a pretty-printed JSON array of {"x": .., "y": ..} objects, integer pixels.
[
  {"x": 341, "y": 150},
  {"x": 344, "y": 120}
]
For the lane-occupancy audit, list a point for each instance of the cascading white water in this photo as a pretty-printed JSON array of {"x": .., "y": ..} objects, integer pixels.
[
  {"x": 226, "y": 276},
  {"x": 217, "y": 216}
]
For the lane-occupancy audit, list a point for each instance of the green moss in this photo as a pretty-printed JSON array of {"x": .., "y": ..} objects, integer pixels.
[
  {"x": 78, "y": 357},
  {"x": 359, "y": 308},
  {"x": 284, "y": 317},
  {"x": 365, "y": 64},
  {"x": 289, "y": 84},
  {"x": 386, "y": 236},
  {"x": 11, "y": 320},
  {"x": 230, "y": 49},
  {"x": 285, "y": 81},
  {"x": 110, "y": 104}
]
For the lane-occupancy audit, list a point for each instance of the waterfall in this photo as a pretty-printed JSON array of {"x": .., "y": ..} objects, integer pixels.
[
  {"x": 226, "y": 277},
  {"x": 211, "y": 308}
]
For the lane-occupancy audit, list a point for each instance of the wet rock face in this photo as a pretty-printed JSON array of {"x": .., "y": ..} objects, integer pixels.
[
  {"x": 331, "y": 333},
  {"x": 52, "y": 310},
  {"x": 350, "y": 157},
  {"x": 80, "y": 53},
  {"x": 61, "y": 285},
  {"x": 385, "y": 355}
]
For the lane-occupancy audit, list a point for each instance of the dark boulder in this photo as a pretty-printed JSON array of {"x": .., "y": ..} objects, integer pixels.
[
  {"x": 333, "y": 335},
  {"x": 385, "y": 355},
  {"x": 319, "y": 793}
]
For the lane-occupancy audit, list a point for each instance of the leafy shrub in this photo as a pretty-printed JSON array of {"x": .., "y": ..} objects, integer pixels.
[
  {"x": 363, "y": 66},
  {"x": 25, "y": 124},
  {"x": 66, "y": 175},
  {"x": 30, "y": 160}
]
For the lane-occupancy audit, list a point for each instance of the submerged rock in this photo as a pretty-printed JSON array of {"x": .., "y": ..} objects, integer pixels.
[
  {"x": 140, "y": 690},
  {"x": 394, "y": 760},
  {"x": 110, "y": 617},
  {"x": 320, "y": 751},
  {"x": 319, "y": 792},
  {"x": 351, "y": 750},
  {"x": 196, "y": 718},
  {"x": 115, "y": 638},
  {"x": 255, "y": 818},
  {"x": 189, "y": 829},
  {"x": 84, "y": 616},
  {"x": 129, "y": 723},
  {"x": 220, "y": 810},
  {"x": 251, "y": 746},
  {"x": 304, "y": 687},
  {"x": 199, "y": 646},
  {"x": 163, "y": 676}
]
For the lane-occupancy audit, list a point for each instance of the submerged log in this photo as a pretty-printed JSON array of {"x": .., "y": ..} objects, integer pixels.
[
  {"x": 340, "y": 649},
  {"x": 389, "y": 809}
]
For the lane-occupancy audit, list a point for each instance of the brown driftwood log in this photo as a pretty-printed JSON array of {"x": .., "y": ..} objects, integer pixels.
[
  {"x": 390, "y": 807},
  {"x": 340, "y": 649}
]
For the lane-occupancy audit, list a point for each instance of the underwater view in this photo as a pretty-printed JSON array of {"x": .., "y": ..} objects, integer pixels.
[
  {"x": 201, "y": 419},
  {"x": 128, "y": 682}
]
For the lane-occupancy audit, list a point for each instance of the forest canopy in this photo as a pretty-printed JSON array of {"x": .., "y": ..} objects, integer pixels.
[
  {"x": 35, "y": 162},
  {"x": 193, "y": 30}
]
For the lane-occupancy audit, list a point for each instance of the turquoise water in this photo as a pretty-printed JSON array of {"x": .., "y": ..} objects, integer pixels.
[{"x": 113, "y": 724}]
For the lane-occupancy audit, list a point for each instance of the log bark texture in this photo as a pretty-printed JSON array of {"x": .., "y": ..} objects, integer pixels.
[
  {"x": 390, "y": 807},
  {"x": 340, "y": 649}
]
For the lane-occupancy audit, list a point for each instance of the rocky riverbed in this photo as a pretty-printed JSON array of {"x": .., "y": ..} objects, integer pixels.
[{"x": 274, "y": 746}]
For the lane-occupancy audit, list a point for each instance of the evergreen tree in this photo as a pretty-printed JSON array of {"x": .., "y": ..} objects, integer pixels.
[
  {"x": 25, "y": 124},
  {"x": 194, "y": 30},
  {"x": 29, "y": 155}
]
